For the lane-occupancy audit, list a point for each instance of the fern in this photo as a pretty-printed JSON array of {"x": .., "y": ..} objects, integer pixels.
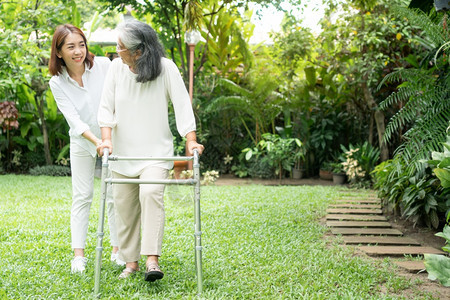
[
  {"x": 424, "y": 93},
  {"x": 432, "y": 31}
]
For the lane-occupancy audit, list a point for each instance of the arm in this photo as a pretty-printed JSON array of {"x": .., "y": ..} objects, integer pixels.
[
  {"x": 191, "y": 143},
  {"x": 91, "y": 137},
  {"x": 105, "y": 117},
  {"x": 72, "y": 116},
  {"x": 106, "y": 141}
]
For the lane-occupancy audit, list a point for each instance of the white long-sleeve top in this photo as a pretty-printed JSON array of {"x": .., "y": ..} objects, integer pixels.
[
  {"x": 139, "y": 117},
  {"x": 79, "y": 105}
]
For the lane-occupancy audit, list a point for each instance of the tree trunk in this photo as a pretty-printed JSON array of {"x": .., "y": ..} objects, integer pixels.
[
  {"x": 379, "y": 120},
  {"x": 371, "y": 129}
]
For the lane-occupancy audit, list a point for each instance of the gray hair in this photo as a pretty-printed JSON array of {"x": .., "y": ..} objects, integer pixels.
[{"x": 136, "y": 35}]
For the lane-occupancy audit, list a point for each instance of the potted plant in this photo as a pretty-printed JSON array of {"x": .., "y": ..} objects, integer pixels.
[
  {"x": 442, "y": 5},
  {"x": 338, "y": 173},
  {"x": 299, "y": 157},
  {"x": 325, "y": 171}
]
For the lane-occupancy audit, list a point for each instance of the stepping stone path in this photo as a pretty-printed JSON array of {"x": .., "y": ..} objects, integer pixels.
[{"x": 360, "y": 221}]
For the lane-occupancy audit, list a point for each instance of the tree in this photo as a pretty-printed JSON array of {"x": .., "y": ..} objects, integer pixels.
[
  {"x": 367, "y": 41},
  {"x": 423, "y": 92},
  {"x": 171, "y": 18},
  {"x": 30, "y": 25}
]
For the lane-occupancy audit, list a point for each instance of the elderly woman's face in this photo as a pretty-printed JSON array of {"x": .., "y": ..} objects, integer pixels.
[{"x": 127, "y": 57}]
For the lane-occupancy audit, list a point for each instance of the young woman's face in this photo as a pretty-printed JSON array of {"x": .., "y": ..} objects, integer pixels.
[{"x": 73, "y": 52}]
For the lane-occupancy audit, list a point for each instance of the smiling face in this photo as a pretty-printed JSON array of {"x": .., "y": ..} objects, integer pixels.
[{"x": 73, "y": 51}]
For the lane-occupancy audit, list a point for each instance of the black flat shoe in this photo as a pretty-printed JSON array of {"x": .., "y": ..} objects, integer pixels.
[{"x": 153, "y": 273}]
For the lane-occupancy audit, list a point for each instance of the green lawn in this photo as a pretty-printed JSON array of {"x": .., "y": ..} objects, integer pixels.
[{"x": 260, "y": 242}]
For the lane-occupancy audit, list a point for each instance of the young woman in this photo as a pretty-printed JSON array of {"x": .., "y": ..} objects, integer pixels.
[
  {"x": 133, "y": 116},
  {"x": 77, "y": 84}
]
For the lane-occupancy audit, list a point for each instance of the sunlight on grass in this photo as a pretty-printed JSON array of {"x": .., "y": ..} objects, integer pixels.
[{"x": 260, "y": 242}]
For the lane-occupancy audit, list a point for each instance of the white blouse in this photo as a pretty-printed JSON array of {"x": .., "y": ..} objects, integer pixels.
[
  {"x": 79, "y": 105},
  {"x": 139, "y": 117}
]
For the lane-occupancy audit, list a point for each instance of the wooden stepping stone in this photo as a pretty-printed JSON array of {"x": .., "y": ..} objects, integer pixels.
[
  {"x": 411, "y": 266},
  {"x": 354, "y": 205},
  {"x": 354, "y": 211},
  {"x": 366, "y": 231},
  {"x": 356, "y": 217},
  {"x": 399, "y": 250},
  {"x": 359, "y": 224},
  {"x": 380, "y": 240},
  {"x": 358, "y": 201}
]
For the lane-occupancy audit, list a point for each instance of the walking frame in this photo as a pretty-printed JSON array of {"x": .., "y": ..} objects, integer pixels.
[{"x": 104, "y": 186}]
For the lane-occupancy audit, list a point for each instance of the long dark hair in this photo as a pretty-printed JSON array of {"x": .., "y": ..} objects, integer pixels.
[
  {"x": 135, "y": 35},
  {"x": 59, "y": 38}
]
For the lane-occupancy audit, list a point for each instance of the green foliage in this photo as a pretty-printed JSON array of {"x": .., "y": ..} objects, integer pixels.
[
  {"x": 227, "y": 39},
  {"x": 420, "y": 200},
  {"x": 280, "y": 153},
  {"x": 441, "y": 163},
  {"x": 259, "y": 103},
  {"x": 50, "y": 171},
  {"x": 390, "y": 184},
  {"x": 360, "y": 161},
  {"x": 438, "y": 266},
  {"x": 24, "y": 51},
  {"x": 423, "y": 95}
]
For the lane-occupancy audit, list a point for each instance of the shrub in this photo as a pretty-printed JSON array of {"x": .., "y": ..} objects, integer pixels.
[{"x": 50, "y": 171}]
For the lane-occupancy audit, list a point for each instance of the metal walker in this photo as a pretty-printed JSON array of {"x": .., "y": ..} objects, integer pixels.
[{"x": 194, "y": 182}]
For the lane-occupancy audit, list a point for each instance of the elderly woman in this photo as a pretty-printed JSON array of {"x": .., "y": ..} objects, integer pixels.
[{"x": 134, "y": 121}]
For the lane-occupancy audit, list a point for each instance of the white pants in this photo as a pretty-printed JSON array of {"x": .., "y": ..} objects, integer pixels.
[
  {"x": 140, "y": 209},
  {"x": 83, "y": 168}
]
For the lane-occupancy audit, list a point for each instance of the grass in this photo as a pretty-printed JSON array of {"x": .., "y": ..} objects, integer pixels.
[{"x": 259, "y": 242}]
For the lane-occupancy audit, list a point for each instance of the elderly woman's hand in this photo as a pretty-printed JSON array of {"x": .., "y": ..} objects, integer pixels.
[{"x": 191, "y": 144}]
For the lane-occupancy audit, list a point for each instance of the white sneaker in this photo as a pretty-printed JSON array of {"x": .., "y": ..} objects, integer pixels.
[
  {"x": 78, "y": 264},
  {"x": 115, "y": 258}
]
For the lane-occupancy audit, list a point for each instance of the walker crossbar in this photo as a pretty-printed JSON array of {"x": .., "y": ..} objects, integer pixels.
[
  {"x": 197, "y": 226},
  {"x": 169, "y": 158},
  {"x": 162, "y": 181}
]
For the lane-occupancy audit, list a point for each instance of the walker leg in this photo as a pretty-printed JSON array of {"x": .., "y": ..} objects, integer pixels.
[
  {"x": 99, "y": 249},
  {"x": 198, "y": 232}
]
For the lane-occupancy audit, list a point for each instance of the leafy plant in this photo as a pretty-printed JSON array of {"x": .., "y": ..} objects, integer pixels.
[
  {"x": 422, "y": 95},
  {"x": 209, "y": 177},
  {"x": 52, "y": 170},
  {"x": 360, "y": 161},
  {"x": 420, "y": 200},
  {"x": 338, "y": 168},
  {"x": 179, "y": 146},
  {"x": 390, "y": 185},
  {"x": 277, "y": 151},
  {"x": 441, "y": 163},
  {"x": 438, "y": 266}
]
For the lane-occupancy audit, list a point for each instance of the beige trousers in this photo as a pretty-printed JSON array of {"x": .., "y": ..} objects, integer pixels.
[{"x": 140, "y": 211}]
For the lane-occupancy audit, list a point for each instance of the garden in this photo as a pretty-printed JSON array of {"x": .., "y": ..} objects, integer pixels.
[{"x": 366, "y": 97}]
